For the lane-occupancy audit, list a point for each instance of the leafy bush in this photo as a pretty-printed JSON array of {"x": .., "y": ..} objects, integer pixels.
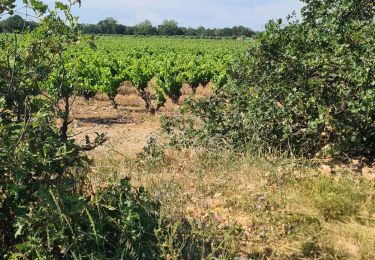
[
  {"x": 34, "y": 153},
  {"x": 32, "y": 158},
  {"x": 116, "y": 223},
  {"x": 303, "y": 87},
  {"x": 44, "y": 210}
]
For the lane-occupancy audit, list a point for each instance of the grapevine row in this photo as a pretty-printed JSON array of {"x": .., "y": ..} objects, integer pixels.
[{"x": 104, "y": 69}]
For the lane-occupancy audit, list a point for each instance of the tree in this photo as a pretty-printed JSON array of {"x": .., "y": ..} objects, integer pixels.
[
  {"x": 320, "y": 11},
  {"x": 120, "y": 29},
  {"x": 107, "y": 26},
  {"x": 13, "y": 23},
  {"x": 145, "y": 28},
  {"x": 200, "y": 31},
  {"x": 191, "y": 32},
  {"x": 169, "y": 27},
  {"x": 7, "y": 6},
  {"x": 242, "y": 31},
  {"x": 88, "y": 28},
  {"x": 129, "y": 30}
]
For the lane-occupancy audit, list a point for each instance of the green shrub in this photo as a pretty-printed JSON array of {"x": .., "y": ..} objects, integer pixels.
[
  {"x": 45, "y": 212},
  {"x": 303, "y": 86},
  {"x": 31, "y": 158},
  {"x": 116, "y": 223}
]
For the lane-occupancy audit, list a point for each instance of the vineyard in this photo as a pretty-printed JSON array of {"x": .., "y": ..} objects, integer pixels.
[
  {"x": 102, "y": 67},
  {"x": 134, "y": 147}
]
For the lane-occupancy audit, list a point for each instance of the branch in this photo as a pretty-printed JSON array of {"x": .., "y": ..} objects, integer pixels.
[{"x": 99, "y": 140}]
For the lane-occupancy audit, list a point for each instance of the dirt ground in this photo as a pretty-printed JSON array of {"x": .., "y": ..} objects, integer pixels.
[{"x": 129, "y": 127}]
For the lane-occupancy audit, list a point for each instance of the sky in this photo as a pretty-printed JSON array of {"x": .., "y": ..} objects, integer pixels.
[{"x": 189, "y": 13}]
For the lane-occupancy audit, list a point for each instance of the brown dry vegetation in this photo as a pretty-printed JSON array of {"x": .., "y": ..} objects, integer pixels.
[{"x": 241, "y": 205}]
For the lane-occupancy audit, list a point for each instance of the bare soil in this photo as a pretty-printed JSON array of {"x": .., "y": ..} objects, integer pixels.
[{"x": 129, "y": 127}]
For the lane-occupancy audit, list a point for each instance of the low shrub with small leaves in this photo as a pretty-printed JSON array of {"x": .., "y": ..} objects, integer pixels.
[{"x": 305, "y": 87}]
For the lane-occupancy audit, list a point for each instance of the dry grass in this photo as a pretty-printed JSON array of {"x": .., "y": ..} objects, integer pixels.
[
  {"x": 101, "y": 97},
  {"x": 274, "y": 208},
  {"x": 204, "y": 91},
  {"x": 242, "y": 205},
  {"x": 127, "y": 89},
  {"x": 354, "y": 240},
  {"x": 131, "y": 100},
  {"x": 186, "y": 90}
]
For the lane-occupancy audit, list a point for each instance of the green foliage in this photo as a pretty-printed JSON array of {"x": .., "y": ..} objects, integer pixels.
[
  {"x": 7, "y": 6},
  {"x": 169, "y": 79},
  {"x": 211, "y": 122},
  {"x": 152, "y": 153},
  {"x": 33, "y": 157},
  {"x": 103, "y": 67},
  {"x": 44, "y": 211},
  {"x": 16, "y": 23},
  {"x": 107, "y": 26},
  {"x": 33, "y": 153},
  {"x": 338, "y": 11},
  {"x": 304, "y": 86},
  {"x": 144, "y": 28},
  {"x": 197, "y": 72},
  {"x": 116, "y": 223},
  {"x": 169, "y": 27}
]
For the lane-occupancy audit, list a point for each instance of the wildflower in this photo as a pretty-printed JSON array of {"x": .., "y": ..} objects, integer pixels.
[{"x": 216, "y": 217}]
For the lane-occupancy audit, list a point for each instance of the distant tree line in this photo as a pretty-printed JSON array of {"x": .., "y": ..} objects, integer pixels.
[
  {"x": 145, "y": 28},
  {"x": 167, "y": 28}
]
